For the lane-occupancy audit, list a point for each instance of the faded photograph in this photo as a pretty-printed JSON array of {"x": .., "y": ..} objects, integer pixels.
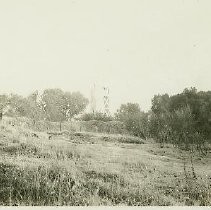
[{"x": 105, "y": 103}]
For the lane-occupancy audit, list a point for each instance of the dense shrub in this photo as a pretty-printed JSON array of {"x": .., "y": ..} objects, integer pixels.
[{"x": 182, "y": 119}]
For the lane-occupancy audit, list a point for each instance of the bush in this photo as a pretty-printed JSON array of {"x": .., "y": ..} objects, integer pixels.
[
  {"x": 96, "y": 116},
  {"x": 136, "y": 122}
]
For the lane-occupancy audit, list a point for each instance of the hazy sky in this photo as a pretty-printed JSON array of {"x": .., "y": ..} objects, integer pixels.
[{"x": 137, "y": 47}]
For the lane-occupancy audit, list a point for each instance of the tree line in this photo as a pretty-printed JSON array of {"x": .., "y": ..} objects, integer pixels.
[
  {"x": 52, "y": 105},
  {"x": 183, "y": 120}
]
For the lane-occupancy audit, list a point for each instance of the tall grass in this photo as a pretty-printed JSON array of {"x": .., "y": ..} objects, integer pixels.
[{"x": 56, "y": 186}]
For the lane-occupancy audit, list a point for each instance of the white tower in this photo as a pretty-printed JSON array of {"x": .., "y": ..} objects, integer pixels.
[{"x": 106, "y": 101}]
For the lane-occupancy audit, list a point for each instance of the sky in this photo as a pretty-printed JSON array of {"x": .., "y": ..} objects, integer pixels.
[{"x": 138, "y": 48}]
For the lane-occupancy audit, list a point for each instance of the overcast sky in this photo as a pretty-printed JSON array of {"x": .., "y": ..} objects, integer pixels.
[{"x": 138, "y": 48}]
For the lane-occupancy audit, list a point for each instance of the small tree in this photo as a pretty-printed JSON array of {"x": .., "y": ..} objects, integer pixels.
[
  {"x": 60, "y": 106},
  {"x": 54, "y": 105},
  {"x": 182, "y": 123},
  {"x": 17, "y": 105},
  {"x": 134, "y": 120},
  {"x": 74, "y": 103},
  {"x": 33, "y": 108}
]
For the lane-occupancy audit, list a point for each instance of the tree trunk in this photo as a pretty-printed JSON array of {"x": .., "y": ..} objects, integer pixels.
[
  {"x": 60, "y": 126},
  {"x": 142, "y": 135}
]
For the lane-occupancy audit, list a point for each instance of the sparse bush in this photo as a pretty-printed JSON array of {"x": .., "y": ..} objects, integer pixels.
[
  {"x": 124, "y": 139},
  {"x": 96, "y": 116}
]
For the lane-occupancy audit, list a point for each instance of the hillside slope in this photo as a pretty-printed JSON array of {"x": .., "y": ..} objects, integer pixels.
[{"x": 97, "y": 169}]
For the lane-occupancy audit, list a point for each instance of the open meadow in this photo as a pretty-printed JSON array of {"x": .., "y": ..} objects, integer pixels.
[{"x": 87, "y": 168}]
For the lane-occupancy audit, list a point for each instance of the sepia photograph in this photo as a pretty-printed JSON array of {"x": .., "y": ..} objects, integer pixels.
[{"x": 105, "y": 103}]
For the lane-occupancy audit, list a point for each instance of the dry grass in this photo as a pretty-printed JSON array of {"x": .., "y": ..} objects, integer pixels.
[{"x": 96, "y": 169}]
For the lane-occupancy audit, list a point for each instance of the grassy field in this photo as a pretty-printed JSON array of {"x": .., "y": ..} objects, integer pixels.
[{"x": 97, "y": 169}]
